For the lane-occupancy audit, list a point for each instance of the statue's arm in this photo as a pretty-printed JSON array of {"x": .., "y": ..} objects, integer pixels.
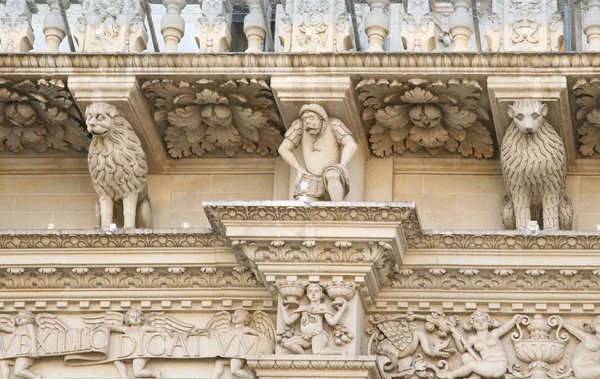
[
  {"x": 286, "y": 151},
  {"x": 6, "y": 328},
  {"x": 288, "y": 319},
  {"x": 345, "y": 139},
  {"x": 333, "y": 320},
  {"x": 578, "y": 333},
  {"x": 502, "y": 330},
  {"x": 32, "y": 331}
]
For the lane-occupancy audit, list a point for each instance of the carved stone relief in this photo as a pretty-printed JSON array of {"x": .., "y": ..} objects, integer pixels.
[
  {"x": 525, "y": 25},
  {"x": 118, "y": 168},
  {"x": 111, "y": 26},
  {"x": 327, "y": 148},
  {"x": 115, "y": 337},
  {"x": 422, "y": 115},
  {"x": 17, "y": 35},
  {"x": 200, "y": 117},
  {"x": 39, "y": 115},
  {"x": 314, "y": 317},
  {"x": 114, "y": 277},
  {"x": 481, "y": 346},
  {"x": 587, "y": 99},
  {"x": 534, "y": 166},
  {"x": 213, "y": 34}
]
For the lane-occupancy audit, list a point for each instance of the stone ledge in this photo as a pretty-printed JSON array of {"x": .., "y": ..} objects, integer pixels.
[{"x": 314, "y": 366}]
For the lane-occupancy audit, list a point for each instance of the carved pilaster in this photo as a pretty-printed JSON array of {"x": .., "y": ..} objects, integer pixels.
[
  {"x": 213, "y": 34},
  {"x": 111, "y": 27},
  {"x": 17, "y": 34}
]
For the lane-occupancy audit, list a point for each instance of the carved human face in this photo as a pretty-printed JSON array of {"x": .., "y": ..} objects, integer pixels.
[
  {"x": 528, "y": 116},
  {"x": 480, "y": 321},
  {"x": 240, "y": 317},
  {"x": 314, "y": 293},
  {"x": 20, "y": 114},
  {"x": 135, "y": 318},
  {"x": 313, "y": 123},
  {"x": 425, "y": 115},
  {"x": 24, "y": 318},
  {"x": 98, "y": 123},
  {"x": 216, "y": 115}
]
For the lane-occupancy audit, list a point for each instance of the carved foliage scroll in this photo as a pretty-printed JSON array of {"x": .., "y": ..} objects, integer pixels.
[
  {"x": 39, "y": 115},
  {"x": 203, "y": 116},
  {"x": 587, "y": 98},
  {"x": 422, "y": 115}
]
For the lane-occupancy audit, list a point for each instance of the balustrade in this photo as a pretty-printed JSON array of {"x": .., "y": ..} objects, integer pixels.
[{"x": 217, "y": 26}]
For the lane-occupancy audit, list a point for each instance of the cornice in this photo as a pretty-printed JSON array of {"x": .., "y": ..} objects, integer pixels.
[
  {"x": 260, "y": 62},
  {"x": 99, "y": 239}
]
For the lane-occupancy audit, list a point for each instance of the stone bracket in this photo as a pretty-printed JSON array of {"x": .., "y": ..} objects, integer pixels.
[
  {"x": 504, "y": 90},
  {"x": 124, "y": 92}
]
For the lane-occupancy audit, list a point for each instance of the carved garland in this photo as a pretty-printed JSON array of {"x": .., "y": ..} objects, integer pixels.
[
  {"x": 39, "y": 115},
  {"x": 202, "y": 116},
  {"x": 420, "y": 115}
]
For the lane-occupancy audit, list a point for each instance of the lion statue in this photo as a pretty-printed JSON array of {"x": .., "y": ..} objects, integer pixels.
[
  {"x": 118, "y": 168},
  {"x": 534, "y": 167}
]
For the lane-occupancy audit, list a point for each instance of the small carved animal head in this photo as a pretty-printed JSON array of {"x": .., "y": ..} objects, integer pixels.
[
  {"x": 99, "y": 118},
  {"x": 528, "y": 115}
]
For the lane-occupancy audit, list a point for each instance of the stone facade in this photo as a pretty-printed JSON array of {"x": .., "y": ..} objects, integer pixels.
[{"x": 324, "y": 190}]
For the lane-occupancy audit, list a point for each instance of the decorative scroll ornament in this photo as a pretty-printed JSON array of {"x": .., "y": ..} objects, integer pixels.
[
  {"x": 587, "y": 98},
  {"x": 202, "y": 116},
  {"x": 39, "y": 115},
  {"x": 430, "y": 116}
]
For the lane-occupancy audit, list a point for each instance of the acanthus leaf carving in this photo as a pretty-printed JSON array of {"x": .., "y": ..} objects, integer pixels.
[
  {"x": 202, "y": 116},
  {"x": 422, "y": 115},
  {"x": 587, "y": 99},
  {"x": 39, "y": 115}
]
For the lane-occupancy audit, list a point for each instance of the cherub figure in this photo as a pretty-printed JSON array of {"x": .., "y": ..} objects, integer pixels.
[
  {"x": 239, "y": 324},
  {"x": 312, "y": 333},
  {"x": 26, "y": 324},
  {"x": 586, "y": 356},
  {"x": 483, "y": 353},
  {"x": 134, "y": 321}
]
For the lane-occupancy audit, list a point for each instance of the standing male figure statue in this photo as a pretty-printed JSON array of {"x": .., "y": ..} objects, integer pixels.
[{"x": 327, "y": 147}]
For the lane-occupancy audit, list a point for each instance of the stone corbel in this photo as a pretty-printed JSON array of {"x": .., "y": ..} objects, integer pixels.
[
  {"x": 504, "y": 90},
  {"x": 125, "y": 94},
  {"x": 336, "y": 95}
]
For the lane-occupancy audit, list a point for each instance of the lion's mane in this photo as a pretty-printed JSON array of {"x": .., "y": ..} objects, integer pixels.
[{"x": 117, "y": 161}]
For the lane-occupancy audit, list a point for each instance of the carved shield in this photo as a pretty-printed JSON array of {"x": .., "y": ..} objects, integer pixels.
[{"x": 399, "y": 332}]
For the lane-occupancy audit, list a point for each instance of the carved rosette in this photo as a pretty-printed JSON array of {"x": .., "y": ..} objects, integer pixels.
[
  {"x": 203, "y": 116},
  {"x": 587, "y": 98},
  {"x": 39, "y": 115},
  {"x": 421, "y": 115}
]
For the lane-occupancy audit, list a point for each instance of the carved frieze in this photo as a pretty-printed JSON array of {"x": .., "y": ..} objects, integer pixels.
[
  {"x": 38, "y": 116},
  {"x": 203, "y": 116},
  {"x": 125, "y": 277},
  {"x": 406, "y": 347},
  {"x": 499, "y": 279},
  {"x": 422, "y": 115}
]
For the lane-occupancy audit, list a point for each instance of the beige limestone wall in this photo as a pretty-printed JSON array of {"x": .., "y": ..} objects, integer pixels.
[
  {"x": 463, "y": 201},
  {"x": 34, "y": 201}
]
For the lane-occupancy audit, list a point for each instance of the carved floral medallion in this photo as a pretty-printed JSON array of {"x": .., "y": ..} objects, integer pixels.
[
  {"x": 422, "y": 115},
  {"x": 203, "y": 116},
  {"x": 39, "y": 115}
]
